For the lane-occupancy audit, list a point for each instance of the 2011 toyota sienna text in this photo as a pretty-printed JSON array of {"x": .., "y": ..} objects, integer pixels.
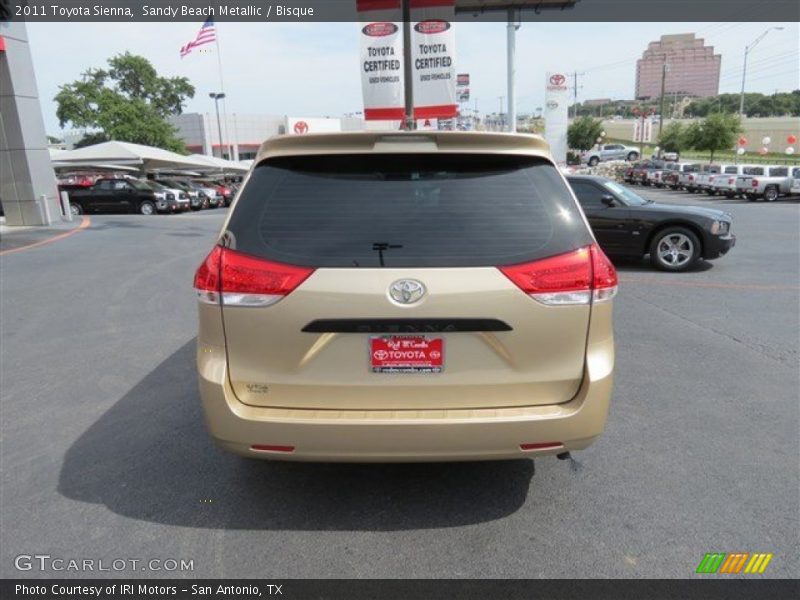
[{"x": 405, "y": 297}]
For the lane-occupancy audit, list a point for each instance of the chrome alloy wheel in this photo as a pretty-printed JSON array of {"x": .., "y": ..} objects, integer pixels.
[{"x": 675, "y": 250}]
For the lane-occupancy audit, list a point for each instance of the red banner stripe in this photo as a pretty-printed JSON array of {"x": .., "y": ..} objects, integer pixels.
[
  {"x": 384, "y": 114},
  {"x": 367, "y": 5},
  {"x": 442, "y": 111},
  {"x": 431, "y": 3}
]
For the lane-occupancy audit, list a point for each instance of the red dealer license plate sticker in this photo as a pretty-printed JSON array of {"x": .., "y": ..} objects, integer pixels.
[{"x": 406, "y": 354}]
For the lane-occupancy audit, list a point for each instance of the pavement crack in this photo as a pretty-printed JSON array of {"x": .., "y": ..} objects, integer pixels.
[{"x": 762, "y": 349}]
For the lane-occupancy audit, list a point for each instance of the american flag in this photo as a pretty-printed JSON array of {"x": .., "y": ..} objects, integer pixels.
[{"x": 206, "y": 35}]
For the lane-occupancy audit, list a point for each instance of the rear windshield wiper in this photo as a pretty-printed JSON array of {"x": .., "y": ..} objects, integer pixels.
[{"x": 380, "y": 247}]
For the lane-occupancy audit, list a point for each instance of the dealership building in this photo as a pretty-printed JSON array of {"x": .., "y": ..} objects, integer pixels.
[
  {"x": 692, "y": 68},
  {"x": 243, "y": 134}
]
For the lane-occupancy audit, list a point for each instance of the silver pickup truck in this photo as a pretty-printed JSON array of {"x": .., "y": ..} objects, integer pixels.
[
  {"x": 708, "y": 182},
  {"x": 706, "y": 176},
  {"x": 604, "y": 152},
  {"x": 725, "y": 182},
  {"x": 768, "y": 182},
  {"x": 794, "y": 190}
]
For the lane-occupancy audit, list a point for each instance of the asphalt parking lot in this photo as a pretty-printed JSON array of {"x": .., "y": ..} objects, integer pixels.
[{"x": 105, "y": 456}]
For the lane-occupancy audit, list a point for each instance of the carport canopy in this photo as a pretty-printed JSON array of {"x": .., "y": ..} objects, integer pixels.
[
  {"x": 219, "y": 164},
  {"x": 126, "y": 154}
]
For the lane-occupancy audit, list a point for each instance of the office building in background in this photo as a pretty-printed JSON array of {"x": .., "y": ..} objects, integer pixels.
[{"x": 692, "y": 68}]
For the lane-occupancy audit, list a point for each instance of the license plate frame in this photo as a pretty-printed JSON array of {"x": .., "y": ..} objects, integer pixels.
[{"x": 428, "y": 354}]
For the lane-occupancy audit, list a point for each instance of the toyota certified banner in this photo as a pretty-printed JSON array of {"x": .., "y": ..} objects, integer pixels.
[
  {"x": 433, "y": 52},
  {"x": 555, "y": 115},
  {"x": 381, "y": 31}
]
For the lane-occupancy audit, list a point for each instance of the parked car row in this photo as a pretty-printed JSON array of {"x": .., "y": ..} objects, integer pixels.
[
  {"x": 159, "y": 194},
  {"x": 752, "y": 182}
]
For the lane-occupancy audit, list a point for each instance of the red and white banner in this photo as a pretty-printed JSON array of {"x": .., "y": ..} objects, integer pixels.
[
  {"x": 432, "y": 56},
  {"x": 643, "y": 130},
  {"x": 433, "y": 52},
  {"x": 381, "y": 32}
]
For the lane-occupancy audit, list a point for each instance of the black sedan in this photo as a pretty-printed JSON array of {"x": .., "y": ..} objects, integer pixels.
[{"x": 627, "y": 225}]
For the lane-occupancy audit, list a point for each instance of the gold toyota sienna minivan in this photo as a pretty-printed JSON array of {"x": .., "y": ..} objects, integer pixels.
[{"x": 409, "y": 296}]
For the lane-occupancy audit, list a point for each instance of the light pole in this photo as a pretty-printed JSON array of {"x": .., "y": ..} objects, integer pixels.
[
  {"x": 664, "y": 69},
  {"x": 511, "y": 50},
  {"x": 747, "y": 50},
  {"x": 217, "y": 97}
]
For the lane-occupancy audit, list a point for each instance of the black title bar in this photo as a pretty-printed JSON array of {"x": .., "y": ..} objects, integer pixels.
[
  {"x": 405, "y": 589},
  {"x": 303, "y": 11}
]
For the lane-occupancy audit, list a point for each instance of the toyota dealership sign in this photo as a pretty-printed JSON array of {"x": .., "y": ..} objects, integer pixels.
[{"x": 555, "y": 115}]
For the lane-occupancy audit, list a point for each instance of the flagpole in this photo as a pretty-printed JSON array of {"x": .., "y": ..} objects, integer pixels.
[{"x": 224, "y": 107}]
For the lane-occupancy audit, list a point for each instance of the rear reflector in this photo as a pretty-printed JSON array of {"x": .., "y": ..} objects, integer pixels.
[
  {"x": 540, "y": 446},
  {"x": 238, "y": 279},
  {"x": 270, "y": 448},
  {"x": 577, "y": 277}
]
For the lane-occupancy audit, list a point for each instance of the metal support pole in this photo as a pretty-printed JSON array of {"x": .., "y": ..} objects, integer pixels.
[
  {"x": 65, "y": 209},
  {"x": 45, "y": 209},
  {"x": 219, "y": 128},
  {"x": 408, "y": 73},
  {"x": 511, "y": 71}
]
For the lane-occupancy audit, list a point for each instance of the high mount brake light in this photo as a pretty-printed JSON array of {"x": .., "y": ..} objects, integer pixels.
[
  {"x": 582, "y": 276},
  {"x": 237, "y": 279}
]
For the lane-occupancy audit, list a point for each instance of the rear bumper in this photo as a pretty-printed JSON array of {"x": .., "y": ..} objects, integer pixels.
[{"x": 405, "y": 435}]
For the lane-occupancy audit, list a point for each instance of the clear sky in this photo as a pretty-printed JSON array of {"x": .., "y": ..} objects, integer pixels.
[{"x": 313, "y": 69}]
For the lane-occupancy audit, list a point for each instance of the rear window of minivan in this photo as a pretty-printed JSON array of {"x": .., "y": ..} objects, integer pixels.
[{"x": 407, "y": 210}]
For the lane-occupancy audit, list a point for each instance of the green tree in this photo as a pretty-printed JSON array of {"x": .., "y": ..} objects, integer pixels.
[
  {"x": 583, "y": 133},
  {"x": 717, "y": 131},
  {"x": 673, "y": 137},
  {"x": 90, "y": 139},
  {"x": 128, "y": 102}
]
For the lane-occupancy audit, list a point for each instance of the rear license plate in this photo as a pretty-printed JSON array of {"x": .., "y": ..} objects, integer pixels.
[{"x": 406, "y": 354}]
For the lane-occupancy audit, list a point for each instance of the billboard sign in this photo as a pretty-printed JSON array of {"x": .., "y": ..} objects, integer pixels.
[
  {"x": 462, "y": 87},
  {"x": 555, "y": 115}
]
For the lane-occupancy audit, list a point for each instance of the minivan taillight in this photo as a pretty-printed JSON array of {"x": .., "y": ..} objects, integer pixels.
[
  {"x": 237, "y": 279},
  {"x": 582, "y": 276}
]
